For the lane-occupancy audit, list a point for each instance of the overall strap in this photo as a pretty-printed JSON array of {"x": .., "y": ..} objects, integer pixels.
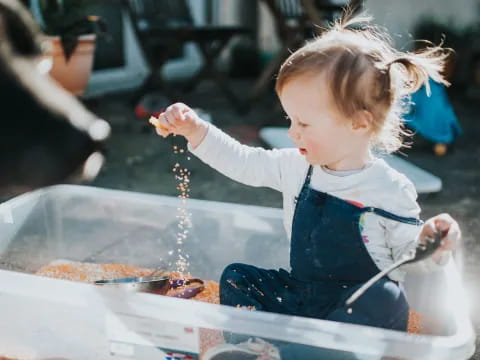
[
  {"x": 306, "y": 183},
  {"x": 309, "y": 176},
  {"x": 391, "y": 216}
]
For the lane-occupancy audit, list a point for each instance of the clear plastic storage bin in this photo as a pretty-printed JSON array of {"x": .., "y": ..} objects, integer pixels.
[{"x": 49, "y": 318}]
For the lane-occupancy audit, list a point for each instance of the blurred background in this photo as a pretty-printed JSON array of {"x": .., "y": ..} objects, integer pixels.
[{"x": 125, "y": 60}]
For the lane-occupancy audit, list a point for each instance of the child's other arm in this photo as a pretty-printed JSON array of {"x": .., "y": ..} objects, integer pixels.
[{"x": 403, "y": 237}]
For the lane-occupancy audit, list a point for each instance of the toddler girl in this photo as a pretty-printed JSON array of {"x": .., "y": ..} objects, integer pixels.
[{"x": 347, "y": 212}]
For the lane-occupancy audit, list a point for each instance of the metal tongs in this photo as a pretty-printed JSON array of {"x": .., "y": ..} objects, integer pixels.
[{"x": 421, "y": 252}]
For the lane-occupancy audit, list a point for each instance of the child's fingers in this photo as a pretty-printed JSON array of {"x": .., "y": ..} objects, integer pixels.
[
  {"x": 448, "y": 228},
  {"x": 190, "y": 115},
  {"x": 170, "y": 119},
  {"x": 182, "y": 113},
  {"x": 177, "y": 110},
  {"x": 428, "y": 229},
  {"x": 450, "y": 231},
  {"x": 443, "y": 222},
  {"x": 165, "y": 125}
]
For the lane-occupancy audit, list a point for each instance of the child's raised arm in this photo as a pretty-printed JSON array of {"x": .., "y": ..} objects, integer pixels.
[{"x": 252, "y": 166}]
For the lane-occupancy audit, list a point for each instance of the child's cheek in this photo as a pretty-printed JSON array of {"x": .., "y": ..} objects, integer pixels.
[{"x": 313, "y": 147}]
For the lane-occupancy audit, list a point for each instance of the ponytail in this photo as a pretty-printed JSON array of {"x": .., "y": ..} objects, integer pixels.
[{"x": 417, "y": 68}]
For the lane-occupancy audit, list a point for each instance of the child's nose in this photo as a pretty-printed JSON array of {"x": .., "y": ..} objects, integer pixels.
[{"x": 292, "y": 133}]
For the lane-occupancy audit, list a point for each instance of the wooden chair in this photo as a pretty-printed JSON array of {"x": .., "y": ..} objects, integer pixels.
[
  {"x": 163, "y": 27},
  {"x": 296, "y": 21}
]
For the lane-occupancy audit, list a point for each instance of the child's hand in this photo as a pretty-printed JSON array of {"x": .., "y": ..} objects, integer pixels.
[
  {"x": 449, "y": 229},
  {"x": 182, "y": 120}
]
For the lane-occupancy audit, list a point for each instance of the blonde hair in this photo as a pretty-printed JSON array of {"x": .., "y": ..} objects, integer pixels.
[{"x": 365, "y": 72}]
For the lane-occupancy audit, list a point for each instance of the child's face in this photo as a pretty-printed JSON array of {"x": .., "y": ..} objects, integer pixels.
[{"x": 321, "y": 134}]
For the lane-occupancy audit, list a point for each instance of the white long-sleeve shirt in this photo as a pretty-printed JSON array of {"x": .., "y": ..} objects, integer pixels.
[{"x": 377, "y": 185}]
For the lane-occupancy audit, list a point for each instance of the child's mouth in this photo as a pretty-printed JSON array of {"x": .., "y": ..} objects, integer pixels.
[{"x": 302, "y": 151}]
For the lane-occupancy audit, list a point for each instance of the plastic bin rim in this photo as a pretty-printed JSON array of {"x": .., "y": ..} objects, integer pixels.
[{"x": 169, "y": 200}]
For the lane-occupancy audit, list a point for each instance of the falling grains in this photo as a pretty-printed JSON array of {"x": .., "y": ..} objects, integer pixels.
[{"x": 181, "y": 174}]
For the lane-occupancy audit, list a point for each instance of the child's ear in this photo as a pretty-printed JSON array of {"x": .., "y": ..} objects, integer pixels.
[{"x": 362, "y": 121}]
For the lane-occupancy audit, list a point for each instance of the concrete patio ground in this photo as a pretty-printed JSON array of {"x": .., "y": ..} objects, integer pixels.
[{"x": 139, "y": 160}]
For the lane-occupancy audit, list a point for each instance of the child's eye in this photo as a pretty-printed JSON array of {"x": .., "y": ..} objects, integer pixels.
[{"x": 302, "y": 124}]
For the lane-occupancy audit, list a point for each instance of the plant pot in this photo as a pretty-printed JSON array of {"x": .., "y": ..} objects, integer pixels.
[{"x": 74, "y": 74}]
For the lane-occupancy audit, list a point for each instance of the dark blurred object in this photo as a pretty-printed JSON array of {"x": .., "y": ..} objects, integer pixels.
[
  {"x": 463, "y": 64},
  {"x": 73, "y": 27},
  {"x": 69, "y": 20},
  {"x": 472, "y": 65},
  {"x": 163, "y": 27},
  {"x": 433, "y": 117},
  {"x": 296, "y": 21},
  {"x": 429, "y": 31},
  {"x": 46, "y": 135},
  {"x": 110, "y": 50},
  {"x": 245, "y": 59}
]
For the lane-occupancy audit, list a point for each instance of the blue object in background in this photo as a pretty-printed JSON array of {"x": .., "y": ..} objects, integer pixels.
[{"x": 433, "y": 116}]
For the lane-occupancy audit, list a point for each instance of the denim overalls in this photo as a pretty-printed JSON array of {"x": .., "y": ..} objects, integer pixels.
[{"x": 329, "y": 261}]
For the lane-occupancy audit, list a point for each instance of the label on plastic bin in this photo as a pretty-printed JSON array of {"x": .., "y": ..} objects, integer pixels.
[{"x": 136, "y": 337}]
